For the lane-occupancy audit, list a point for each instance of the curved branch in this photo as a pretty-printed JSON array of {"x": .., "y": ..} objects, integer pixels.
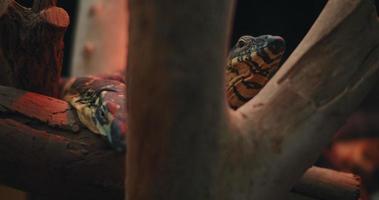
[{"x": 296, "y": 114}]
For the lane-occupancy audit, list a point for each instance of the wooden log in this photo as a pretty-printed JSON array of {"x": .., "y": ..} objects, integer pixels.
[
  {"x": 320, "y": 183},
  {"x": 51, "y": 163},
  {"x": 193, "y": 147},
  {"x": 30, "y": 136},
  {"x": 31, "y": 46},
  {"x": 101, "y": 37},
  {"x": 54, "y": 163},
  {"x": 54, "y": 112}
]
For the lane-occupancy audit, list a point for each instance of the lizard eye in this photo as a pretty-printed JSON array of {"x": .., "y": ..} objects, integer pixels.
[
  {"x": 241, "y": 43},
  {"x": 101, "y": 116}
]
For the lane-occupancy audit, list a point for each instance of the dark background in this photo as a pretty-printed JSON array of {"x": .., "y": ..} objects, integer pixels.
[{"x": 289, "y": 19}]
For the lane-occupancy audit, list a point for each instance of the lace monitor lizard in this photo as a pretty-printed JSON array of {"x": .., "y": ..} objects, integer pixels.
[{"x": 100, "y": 100}]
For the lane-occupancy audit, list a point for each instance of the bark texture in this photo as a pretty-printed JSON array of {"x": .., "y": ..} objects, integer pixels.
[
  {"x": 185, "y": 144},
  {"x": 58, "y": 164},
  {"x": 51, "y": 162},
  {"x": 31, "y": 46}
]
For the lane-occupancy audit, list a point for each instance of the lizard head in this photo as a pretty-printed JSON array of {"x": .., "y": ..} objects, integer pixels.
[
  {"x": 109, "y": 117},
  {"x": 100, "y": 105},
  {"x": 251, "y": 63}
]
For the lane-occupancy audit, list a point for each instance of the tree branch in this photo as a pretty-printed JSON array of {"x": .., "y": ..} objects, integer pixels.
[
  {"x": 30, "y": 146},
  {"x": 301, "y": 108},
  {"x": 58, "y": 164},
  {"x": 54, "y": 112},
  {"x": 101, "y": 35}
]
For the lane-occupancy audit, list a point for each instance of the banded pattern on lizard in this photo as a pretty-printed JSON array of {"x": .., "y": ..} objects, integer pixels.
[{"x": 251, "y": 64}]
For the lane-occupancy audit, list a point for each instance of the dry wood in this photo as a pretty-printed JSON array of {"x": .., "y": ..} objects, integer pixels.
[
  {"x": 101, "y": 36},
  {"x": 326, "y": 184},
  {"x": 31, "y": 46},
  {"x": 48, "y": 162},
  {"x": 54, "y": 112},
  {"x": 184, "y": 144},
  {"x": 58, "y": 164}
]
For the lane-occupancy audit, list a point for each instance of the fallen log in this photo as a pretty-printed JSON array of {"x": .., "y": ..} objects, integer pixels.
[{"x": 50, "y": 162}]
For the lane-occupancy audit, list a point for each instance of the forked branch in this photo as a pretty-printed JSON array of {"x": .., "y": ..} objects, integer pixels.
[{"x": 183, "y": 143}]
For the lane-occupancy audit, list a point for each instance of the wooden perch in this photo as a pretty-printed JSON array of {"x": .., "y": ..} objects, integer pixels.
[
  {"x": 54, "y": 112},
  {"x": 50, "y": 162},
  {"x": 53, "y": 150},
  {"x": 31, "y": 46},
  {"x": 184, "y": 144},
  {"x": 58, "y": 164},
  {"x": 326, "y": 184}
]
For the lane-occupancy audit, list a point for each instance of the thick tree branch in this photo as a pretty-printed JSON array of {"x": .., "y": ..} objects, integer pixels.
[
  {"x": 296, "y": 114},
  {"x": 175, "y": 97},
  {"x": 31, "y": 146},
  {"x": 58, "y": 164},
  {"x": 54, "y": 112}
]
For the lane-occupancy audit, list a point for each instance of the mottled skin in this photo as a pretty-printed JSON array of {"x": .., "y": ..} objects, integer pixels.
[
  {"x": 100, "y": 105},
  {"x": 100, "y": 100},
  {"x": 251, "y": 64}
]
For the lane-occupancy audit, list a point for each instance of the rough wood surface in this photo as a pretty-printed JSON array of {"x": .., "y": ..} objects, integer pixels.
[
  {"x": 191, "y": 146},
  {"x": 326, "y": 184},
  {"x": 37, "y": 140},
  {"x": 58, "y": 164},
  {"x": 101, "y": 36},
  {"x": 49, "y": 162},
  {"x": 31, "y": 46},
  {"x": 54, "y": 112}
]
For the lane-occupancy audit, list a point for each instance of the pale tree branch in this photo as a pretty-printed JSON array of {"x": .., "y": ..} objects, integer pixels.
[
  {"x": 301, "y": 108},
  {"x": 101, "y": 37}
]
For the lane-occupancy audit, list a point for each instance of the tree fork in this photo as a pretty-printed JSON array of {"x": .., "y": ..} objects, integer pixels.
[{"x": 183, "y": 141}]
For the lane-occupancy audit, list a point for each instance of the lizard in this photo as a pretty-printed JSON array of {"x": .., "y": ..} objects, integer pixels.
[{"x": 100, "y": 100}]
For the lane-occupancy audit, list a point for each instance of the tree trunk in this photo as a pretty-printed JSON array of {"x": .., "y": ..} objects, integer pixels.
[
  {"x": 184, "y": 143},
  {"x": 31, "y": 46}
]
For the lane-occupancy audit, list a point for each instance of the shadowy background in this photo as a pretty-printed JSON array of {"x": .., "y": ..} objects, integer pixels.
[{"x": 291, "y": 20}]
